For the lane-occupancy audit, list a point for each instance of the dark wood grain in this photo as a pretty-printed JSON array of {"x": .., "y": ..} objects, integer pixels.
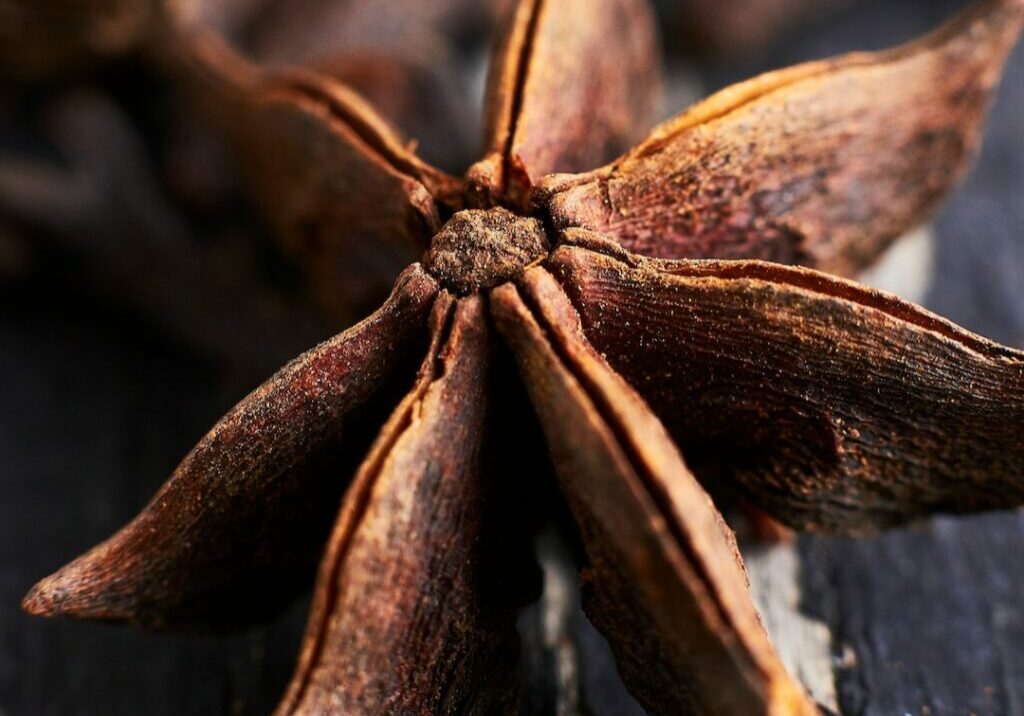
[{"x": 926, "y": 620}]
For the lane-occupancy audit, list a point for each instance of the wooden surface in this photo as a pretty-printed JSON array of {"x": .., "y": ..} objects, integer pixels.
[{"x": 96, "y": 410}]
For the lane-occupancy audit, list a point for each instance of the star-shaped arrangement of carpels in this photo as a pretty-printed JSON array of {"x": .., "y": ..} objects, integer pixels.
[{"x": 680, "y": 322}]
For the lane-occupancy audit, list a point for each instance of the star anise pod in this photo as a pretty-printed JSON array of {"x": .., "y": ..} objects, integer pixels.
[{"x": 653, "y": 318}]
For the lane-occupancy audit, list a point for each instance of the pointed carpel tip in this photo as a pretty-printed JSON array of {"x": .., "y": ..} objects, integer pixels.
[
  {"x": 44, "y": 598},
  {"x": 63, "y": 593}
]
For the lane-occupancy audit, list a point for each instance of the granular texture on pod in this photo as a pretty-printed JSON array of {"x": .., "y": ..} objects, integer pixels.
[
  {"x": 653, "y": 372},
  {"x": 481, "y": 248}
]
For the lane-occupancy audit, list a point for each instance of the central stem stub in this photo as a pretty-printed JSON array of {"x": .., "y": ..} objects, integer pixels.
[{"x": 481, "y": 248}]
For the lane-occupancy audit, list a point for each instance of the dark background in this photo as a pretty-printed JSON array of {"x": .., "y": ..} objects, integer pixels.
[{"x": 96, "y": 409}]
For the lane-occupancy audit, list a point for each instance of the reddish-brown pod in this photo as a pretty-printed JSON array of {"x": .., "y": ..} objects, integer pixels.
[
  {"x": 822, "y": 164},
  {"x": 234, "y": 532},
  {"x": 667, "y": 345},
  {"x": 572, "y": 84}
]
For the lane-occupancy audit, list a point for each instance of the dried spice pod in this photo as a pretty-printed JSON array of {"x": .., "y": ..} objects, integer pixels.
[
  {"x": 823, "y": 164},
  {"x": 543, "y": 114},
  {"x": 415, "y": 529},
  {"x": 333, "y": 158},
  {"x": 844, "y": 408},
  {"x": 831, "y": 405},
  {"x": 236, "y": 531},
  {"x": 669, "y": 588}
]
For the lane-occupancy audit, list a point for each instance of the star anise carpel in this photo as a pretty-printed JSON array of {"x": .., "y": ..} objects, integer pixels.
[{"x": 664, "y": 342}]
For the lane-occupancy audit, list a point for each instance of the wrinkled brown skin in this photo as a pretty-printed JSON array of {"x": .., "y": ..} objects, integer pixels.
[
  {"x": 236, "y": 531},
  {"x": 843, "y": 408},
  {"x": 543, "y": 114},
  {"x": 414, "y": 524},
  {"x": 481, "y": 248},
  {"x": 669, "y": 590},
  {"x": 822, "y": 164}
]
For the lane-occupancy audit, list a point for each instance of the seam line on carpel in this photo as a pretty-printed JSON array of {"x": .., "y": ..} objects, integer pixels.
[
  {"x": 366, "y": 135},
  {"x": 372, "y": 141},
  {"x": 429, "y": 218},
  {"x": 519, "y": 90},
  {"x": 379, "y": 454},
  {"x": 636, "y": 463},
  {"x": 819, "y": 284}
]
